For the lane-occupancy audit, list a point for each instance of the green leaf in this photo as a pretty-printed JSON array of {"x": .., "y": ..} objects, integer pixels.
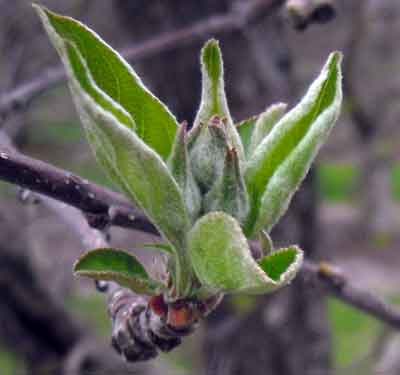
[
  {"x": 284, "y": 157},
  {"x": 223, "y": 262},
  {"x": 213, "y": 98},
  {"x": 229, "y": 191},
  {"x": 264, "y": 124},
  {"x": 138, "y": 169},
  {"x": 267, "y": 246},
  {"x": 114, "y": 78},
  {"x": 119, "y": 266},
  {"x": 245, "y": 129},
  {"x": 181, "y": 169},
  {"x": 282, "y": 265},
  {"x": 207, "y": 153}
]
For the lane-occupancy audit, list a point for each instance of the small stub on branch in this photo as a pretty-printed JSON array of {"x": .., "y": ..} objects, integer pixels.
[{"x": 334, "y": 274}]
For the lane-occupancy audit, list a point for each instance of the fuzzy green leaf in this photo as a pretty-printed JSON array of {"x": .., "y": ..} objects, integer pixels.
[
  {"x": 119, "y": 266},
  {"x": 245, "y": 129},
  {"x": 181, "y": 169},
  {"x": 138, "y": 169},
  {"x": 223, "y": 262},
  {"x": 213, "y": 98},
  {"x": 264, "y": 124},
  {"x": 229, "y": 191},
  {"x": 144, "y": 113},
  {"x": 207, "y": 153},
  {"x": 284, "y": 157}
]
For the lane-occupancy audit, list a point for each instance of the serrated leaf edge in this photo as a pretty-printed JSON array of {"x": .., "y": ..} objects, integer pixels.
[{"x": 293, "y": 268}]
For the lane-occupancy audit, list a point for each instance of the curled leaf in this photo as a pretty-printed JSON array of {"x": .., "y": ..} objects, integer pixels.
[
  {"x": 282, "y": 265},
  {"x": 284, "y": 157},
  {"x": 222, "y": 260}
]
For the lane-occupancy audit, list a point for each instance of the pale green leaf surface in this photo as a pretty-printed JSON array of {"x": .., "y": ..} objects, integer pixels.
[
  {"x": 283, "y": 158},
  {"x": 213, "y": 98},
  {"x": 119, "y": 266},
  {"x": 264, "y": 124},
  {"x": 222, "y": 259},
  {"x": 141, "y": 172},
  {"x": 181, "y": 169},
  {"x": 150, "y": 118},
  {"x": 245, "y": 129},
  {"x": 229, "y": 191}
]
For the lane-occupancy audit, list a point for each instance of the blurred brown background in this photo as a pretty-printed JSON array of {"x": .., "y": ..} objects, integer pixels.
[{"x": 347, "y": 212}]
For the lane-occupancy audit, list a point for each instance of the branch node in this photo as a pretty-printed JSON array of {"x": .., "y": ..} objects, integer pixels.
[{"x": 334, "y": 274}]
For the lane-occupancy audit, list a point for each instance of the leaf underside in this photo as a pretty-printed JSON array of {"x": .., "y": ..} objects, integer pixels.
[{"x": 222, "y": 259}]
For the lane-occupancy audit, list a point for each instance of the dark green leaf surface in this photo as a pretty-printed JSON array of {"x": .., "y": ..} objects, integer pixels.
[
  {"x": 119, "y": 266},
  {"x": 275, "y": 265}
]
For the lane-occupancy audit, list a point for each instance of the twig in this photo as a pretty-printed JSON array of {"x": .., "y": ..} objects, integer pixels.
[
  {"x": 101, "y": 206},
  {"x": 94, "y": 200},
  {"x": 138, "y": 331},
  {"x": 336, "y": 284},
  {"x": 237, "y": 18},
  {"x": 22, "y": 170}
]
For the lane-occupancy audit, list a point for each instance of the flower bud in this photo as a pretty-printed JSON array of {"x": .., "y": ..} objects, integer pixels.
[{"x": 207, "y": 153}]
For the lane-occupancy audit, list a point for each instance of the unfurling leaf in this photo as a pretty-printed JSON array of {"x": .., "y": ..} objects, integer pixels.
[
  {"x": 137, "y": 168},
  {"x": 207, "y": 152},
  {"x": 151, "y": 119},
  {"x": 264, "y": 124},
  {"x": 229, "y": 191},
  {"x": 222, "y": 260},
  {"x": 119, "y": 266},
  {"x": 181, "y": 169},
  {"x": 213, "y": 98},
  {"x": 245, "y": 129},
  {"x": 283, "y": 158}
]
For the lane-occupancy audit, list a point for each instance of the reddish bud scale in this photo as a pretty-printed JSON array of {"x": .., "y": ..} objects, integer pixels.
[{"x": 158, "y": 305}]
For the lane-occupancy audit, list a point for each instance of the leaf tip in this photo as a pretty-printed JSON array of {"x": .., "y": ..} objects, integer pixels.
[{"x": 211, "y": 58}]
